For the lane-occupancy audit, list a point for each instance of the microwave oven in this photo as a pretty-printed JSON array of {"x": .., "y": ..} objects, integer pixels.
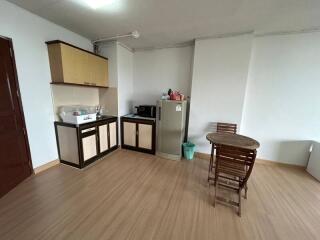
[{"x": 146, "y": 111}]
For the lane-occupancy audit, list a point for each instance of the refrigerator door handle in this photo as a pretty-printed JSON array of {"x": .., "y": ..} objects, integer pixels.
[{"x": 159, "y": 113}]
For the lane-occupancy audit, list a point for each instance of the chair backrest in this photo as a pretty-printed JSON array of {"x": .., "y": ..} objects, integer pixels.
[
  {"x": 235, "y": 162},
  {"x": 227, "y": 127}
]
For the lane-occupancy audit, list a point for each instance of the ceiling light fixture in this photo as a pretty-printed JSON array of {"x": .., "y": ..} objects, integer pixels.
[
  {"x": 134, "y": 34},
  {"x": 95, "y": 4}
]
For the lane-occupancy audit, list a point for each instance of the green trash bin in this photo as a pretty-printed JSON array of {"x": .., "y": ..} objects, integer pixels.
[{"x": 188, "y": 150}]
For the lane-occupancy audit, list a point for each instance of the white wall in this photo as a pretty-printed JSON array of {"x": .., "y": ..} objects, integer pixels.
[
  {"x": 73, "y": 95},
  {"x": 29, "y": 34},
  {"x": 155, "y": 71},
  {"x": 120, "y": 75},
  {"x": 109, "y": 97},
  {"x": 282, "y": 104},
  {"x": 125, "y": 80},
  {"x": 218, "y": 85},
  {"x": 110, "y": 51}
]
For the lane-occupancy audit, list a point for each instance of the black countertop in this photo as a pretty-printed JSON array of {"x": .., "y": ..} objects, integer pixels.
[{"x": 134, "y": 116}]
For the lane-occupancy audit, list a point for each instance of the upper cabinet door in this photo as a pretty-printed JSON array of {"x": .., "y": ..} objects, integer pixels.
[
  {"x": 98, "y": 71},
  {"x": 75, "y": 65},
  {"x": 70, "y": 64}
]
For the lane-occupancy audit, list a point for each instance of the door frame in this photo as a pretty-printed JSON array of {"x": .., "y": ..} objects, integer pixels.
[{"x": 13, "y": 61}]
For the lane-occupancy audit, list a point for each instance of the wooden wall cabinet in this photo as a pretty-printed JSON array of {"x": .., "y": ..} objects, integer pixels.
[
  {"x": 138, "y": 134},
  {"x": 72, "y": 65},
  {"x": 80, "y": 145}
]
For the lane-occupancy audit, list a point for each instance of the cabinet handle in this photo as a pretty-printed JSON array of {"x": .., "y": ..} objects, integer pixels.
[
  {"x": 86, "y": 83},
  {"x": 88, "y": 130},
  {"x": 93, "y": 84}
]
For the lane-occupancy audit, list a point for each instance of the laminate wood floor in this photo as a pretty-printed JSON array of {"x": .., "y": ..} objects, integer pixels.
[{"x": 131, "y": 195}]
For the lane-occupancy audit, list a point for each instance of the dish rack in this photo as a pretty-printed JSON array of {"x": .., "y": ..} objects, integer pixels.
[{"x": 78, "y": 114}]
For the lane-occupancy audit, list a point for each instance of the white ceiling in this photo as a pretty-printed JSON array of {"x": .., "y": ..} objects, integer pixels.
[{"x": 169, "y": 22}]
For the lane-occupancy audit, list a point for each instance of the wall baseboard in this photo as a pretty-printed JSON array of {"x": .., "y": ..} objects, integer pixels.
[
  {"x": 46, "y": 166},
  {"x": 270, "y": 162},
  {"x": 206, "y": 156}
]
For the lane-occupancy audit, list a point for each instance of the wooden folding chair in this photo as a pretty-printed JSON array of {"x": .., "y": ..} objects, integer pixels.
[
  {"x": 224, "y": 128},
  {"x": 232, "y": 171},
  {"x": 227, "y": 127}
]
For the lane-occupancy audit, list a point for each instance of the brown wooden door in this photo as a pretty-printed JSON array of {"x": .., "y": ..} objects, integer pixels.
[{"x": 15, "y": 160}]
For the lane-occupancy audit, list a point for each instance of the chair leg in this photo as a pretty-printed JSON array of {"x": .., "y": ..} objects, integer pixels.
[
  {"x": 209, "y": 170},
  {"x": 239, "y": 212},
  {"x": 215, "y": 195},
  {"x": 245, "y": 191},
  {"x": 210, "y": 163}
]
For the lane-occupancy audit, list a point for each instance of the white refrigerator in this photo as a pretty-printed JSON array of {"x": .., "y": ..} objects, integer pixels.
[{"x": 171, "y": 124}]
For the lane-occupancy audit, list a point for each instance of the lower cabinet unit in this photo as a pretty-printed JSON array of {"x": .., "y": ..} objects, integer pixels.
[
  {"x": 80, "y": 145},
  {"x": 138, "y": 134}
]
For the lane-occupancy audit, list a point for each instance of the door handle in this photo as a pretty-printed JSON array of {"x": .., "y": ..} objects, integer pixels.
[{"x": 159, "y": 113}]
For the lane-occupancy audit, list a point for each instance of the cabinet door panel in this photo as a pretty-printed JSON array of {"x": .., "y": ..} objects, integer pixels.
[
  {"x": 113, "y": 134},
  {"x": 89, "y": 146},
  {"x": 55, "y": 59},
  {"x": 68, "y": 144},
  {"x": 103, "y": 134},
  {"x": 98, "y": 68},
  {"x": 145, "y": 136},
  {"x": 75, "y": 65},
  {"x": 129, "y": 134}
]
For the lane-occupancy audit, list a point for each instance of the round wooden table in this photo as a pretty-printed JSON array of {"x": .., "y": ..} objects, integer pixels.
[
  {"x": 229, "y": 139},
  {"x": 234, "y": 140}
]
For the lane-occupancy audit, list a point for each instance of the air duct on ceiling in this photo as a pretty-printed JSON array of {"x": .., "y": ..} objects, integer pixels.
[{"x": 134, "y": 34}]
